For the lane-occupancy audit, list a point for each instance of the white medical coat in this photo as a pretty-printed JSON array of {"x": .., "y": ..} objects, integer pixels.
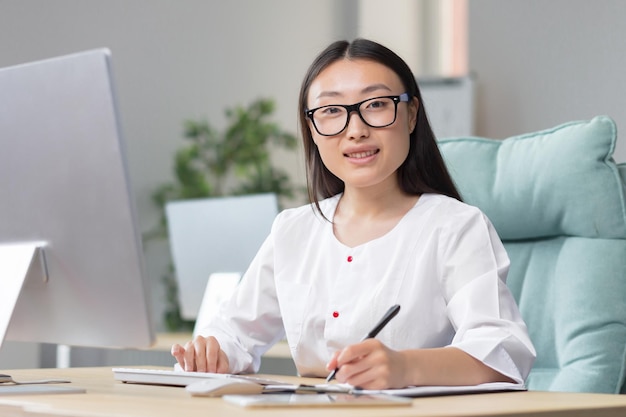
[{"x": 443, "y": 263}]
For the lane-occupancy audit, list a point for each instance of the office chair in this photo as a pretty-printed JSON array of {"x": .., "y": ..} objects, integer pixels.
[{"x": 556, "y": 198}]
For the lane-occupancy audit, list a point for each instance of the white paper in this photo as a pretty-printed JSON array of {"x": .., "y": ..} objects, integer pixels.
[{"x": 447, "y": 390}]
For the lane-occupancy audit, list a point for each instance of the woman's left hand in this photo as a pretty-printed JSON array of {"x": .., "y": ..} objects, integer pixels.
[{"x": 370, "y": 365}]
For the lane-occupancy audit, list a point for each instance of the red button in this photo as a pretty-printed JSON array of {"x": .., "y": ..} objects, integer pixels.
[
  {"x": 349, "y": 258},
  {"x": 335, "y": 314}
]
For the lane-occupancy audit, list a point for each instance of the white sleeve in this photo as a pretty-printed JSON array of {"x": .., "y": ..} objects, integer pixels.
[
  {"x": 480, "y": 306},
  {"x": 249, "y": 323}
]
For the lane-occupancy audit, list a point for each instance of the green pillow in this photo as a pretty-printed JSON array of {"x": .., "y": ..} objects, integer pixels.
[{"x": 560, "y": 181}]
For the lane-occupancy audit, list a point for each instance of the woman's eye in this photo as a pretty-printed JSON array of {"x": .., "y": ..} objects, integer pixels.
[
  {"x": 330, "y": 111},
  {"x": 376, "y": 104}
]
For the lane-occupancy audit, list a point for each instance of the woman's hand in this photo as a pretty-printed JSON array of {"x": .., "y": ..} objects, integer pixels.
[
  {"x": 370, "y": 365},
  {"x": 203, "y": 354}
]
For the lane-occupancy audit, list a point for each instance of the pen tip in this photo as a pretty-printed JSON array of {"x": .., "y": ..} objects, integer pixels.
[{"x": 331, "y": 376}]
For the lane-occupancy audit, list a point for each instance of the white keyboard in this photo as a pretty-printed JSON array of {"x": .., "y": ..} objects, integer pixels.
[{"x": 177, "y": 377}]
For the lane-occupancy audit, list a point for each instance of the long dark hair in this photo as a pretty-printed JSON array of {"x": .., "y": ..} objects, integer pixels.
[{"x": 423, "y": 171}]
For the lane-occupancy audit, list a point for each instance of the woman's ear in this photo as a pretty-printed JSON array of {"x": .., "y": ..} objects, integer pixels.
[{"x": 414, "y": 105}]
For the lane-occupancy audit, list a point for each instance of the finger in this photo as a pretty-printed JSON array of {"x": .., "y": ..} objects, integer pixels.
[
  {"x": 368, "y": 374},
  {"x": 349, "y": 371},
  {"x": 189, "y": 357},
  {"x": 353, "y": 352},
  {"x": 368, "y": 379},
  {"x": 223, "y": 365},
  {"x": 342, "y": 359},
  {"x": 357, "y": 362},
  {"x": 381, "y": 368},
  {"x": 179, "y": 353},
  {"x": 212, "y": 354},
  {"x": 199, "y": 344}
]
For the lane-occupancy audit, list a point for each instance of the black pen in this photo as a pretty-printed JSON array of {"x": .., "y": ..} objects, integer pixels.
[{"x": 391, "y": 313}]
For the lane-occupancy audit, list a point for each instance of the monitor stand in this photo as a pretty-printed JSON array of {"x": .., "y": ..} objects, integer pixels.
[{"x": 15, "y": 263}]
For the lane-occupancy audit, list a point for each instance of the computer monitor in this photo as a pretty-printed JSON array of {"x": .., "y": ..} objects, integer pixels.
[
  {"x": 215, "y": 236},
  {"x": 71, "y": 260}
]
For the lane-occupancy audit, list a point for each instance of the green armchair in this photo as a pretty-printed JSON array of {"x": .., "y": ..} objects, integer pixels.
[{"x": 556, "y": 197}]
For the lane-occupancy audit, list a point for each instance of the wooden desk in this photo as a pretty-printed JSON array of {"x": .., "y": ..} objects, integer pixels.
[{"x": 106, "y": 397}]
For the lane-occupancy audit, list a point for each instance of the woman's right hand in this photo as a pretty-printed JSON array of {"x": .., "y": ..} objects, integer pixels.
[{"x": 202, "y": 354}]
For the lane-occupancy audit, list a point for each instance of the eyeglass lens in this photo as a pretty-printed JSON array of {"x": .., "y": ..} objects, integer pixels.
[{"x": 376, "y": 112}]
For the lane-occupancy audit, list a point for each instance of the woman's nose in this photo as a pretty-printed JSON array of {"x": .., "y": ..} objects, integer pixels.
[{"x": 356, "y": 128}]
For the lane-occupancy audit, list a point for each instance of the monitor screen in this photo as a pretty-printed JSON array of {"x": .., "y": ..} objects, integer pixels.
[
  {"x": 71, "y": 260},
  {"x": 215, "y": 236}
]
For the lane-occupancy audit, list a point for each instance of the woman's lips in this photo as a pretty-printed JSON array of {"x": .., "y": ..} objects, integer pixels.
[{"x": 361, "y": 154}]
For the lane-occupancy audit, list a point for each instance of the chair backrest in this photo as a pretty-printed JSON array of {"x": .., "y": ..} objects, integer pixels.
[{"x": 556, "y": 198}]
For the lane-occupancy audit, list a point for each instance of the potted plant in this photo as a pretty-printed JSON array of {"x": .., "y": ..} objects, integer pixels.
[{"x": 211, "y": 164}]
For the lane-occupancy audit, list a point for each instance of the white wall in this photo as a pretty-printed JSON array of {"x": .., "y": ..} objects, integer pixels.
[
  {"x": 175, "y": 60},
  {"x": 539, "y": 63}
]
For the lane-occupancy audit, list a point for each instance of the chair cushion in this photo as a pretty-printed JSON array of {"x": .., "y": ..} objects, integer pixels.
[
  {"x": 571, "y": 294},
  {"x": 560, "y": 181},
  {"x": 556, "y": 198}
]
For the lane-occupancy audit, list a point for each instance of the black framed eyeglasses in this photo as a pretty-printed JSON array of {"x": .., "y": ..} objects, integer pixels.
[{"x": 331, "y": 120}]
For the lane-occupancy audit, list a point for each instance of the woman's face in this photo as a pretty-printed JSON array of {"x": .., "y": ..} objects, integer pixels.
[{"x": 362, "y": 156}]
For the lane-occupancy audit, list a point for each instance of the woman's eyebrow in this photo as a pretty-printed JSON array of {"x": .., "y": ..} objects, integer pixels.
[
  {"x": 368, "y": 89},
  {"x": 328, "y": 94},
  {"x": 375, "y": 87}
]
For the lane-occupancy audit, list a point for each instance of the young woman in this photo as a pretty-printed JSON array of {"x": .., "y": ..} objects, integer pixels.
[{"x": 386, "y": 226}]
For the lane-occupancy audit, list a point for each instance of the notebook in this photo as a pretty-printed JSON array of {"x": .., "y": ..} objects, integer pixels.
[{"x": 178, "y": 377}]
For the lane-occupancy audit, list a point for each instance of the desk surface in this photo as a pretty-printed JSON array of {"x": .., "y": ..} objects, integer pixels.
[{"x": 107, "y": 397}]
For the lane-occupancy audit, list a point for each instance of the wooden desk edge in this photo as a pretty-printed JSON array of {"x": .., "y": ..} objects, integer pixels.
[{"x": 106, "y": 397}]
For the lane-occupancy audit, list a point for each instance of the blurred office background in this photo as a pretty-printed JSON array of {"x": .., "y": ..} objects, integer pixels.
[{"x": 534, "y": 64}]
